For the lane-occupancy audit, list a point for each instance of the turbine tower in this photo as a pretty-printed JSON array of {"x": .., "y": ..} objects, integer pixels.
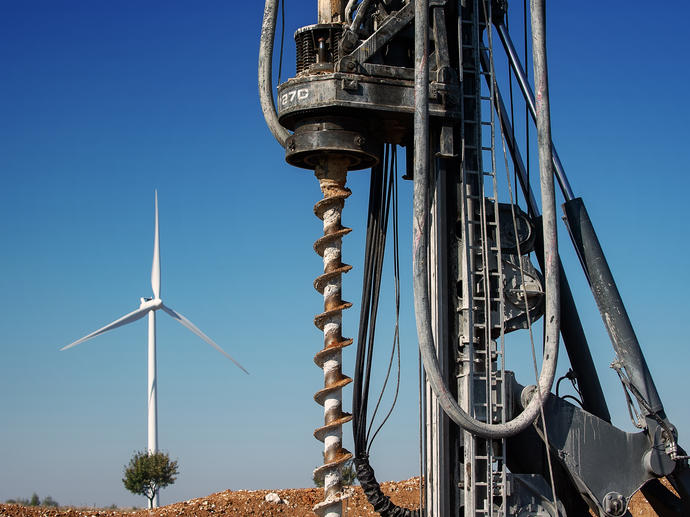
[{"x": 150, "y": 306}]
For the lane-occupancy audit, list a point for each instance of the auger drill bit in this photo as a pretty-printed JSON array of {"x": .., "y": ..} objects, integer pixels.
[{"x": 332, "y": 175}]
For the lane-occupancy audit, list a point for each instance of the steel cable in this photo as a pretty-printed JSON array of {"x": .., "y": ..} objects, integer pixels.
[
  {"x": 391, "y": 197},
  {"x": 382, "y": 192}
]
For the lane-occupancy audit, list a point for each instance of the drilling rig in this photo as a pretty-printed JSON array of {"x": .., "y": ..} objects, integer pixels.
[{"x": 375, "y": 76}]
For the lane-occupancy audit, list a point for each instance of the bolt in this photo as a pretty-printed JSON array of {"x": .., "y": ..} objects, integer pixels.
[
  {"x": 614, "y": 504},
  {"x": 359, "y": 140},
  {"x": 350, "y": 65}
]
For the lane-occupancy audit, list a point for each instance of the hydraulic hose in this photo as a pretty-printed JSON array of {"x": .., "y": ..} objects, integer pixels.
[
  {"x": 349, "y": 9},
  {"x": 421, "y": 237},
  {"x": 360, "y": 15},
  {"x": 268, "y": 31},
  {"x": 371, "y": 488}
]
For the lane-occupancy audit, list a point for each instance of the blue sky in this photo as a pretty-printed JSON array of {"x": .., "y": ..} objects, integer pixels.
[{"x": 101, "y": 103}]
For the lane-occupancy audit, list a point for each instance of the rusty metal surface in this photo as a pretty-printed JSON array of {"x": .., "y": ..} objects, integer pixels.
[{"x": 332, "y": 175}]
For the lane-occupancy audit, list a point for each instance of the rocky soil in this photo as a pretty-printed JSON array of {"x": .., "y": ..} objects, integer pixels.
[{"x": 292, "y": 502}]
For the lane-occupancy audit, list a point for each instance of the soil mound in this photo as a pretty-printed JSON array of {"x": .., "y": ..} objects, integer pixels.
[{"x": 291, "y": 502}]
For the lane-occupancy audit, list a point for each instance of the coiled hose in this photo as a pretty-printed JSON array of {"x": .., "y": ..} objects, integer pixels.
[
  {"x": 421, "y": 238},
  {"x": 371, "y": 488}
]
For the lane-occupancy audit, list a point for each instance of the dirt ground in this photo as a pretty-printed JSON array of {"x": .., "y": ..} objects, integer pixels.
[{"x": 295, "y": 502}]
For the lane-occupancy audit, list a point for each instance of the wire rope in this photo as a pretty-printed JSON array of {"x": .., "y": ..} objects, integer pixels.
[
  {"x": 512, "y": 109},
  {"x": 383, "y": 189},
  {"x": 529, "y": 319},
  {"x": 393, "y": 193},
  {"x": 420, "y": 240},
  {"x": 382, "y": 194},
  {"x": 527, "y": 311}
]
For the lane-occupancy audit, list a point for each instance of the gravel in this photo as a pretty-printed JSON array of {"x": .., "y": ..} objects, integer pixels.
[{"x": 295, "y": 502}]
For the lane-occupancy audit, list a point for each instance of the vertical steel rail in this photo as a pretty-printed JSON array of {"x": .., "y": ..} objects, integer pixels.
[{"x": 439, "y": 463}]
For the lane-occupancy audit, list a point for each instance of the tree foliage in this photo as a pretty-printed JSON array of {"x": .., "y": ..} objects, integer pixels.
[
  {"x": 148, "y": 473},
  {"x": 49, "y": 501},
  {"x": 34, "y": 501}
]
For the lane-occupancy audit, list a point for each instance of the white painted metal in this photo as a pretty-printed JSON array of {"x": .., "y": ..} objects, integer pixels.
[
  {"x": 438, "y": 445},
  {"x": 185, "y": 322},
  {"x": 150, "y": 306},
  {"x": 124, "y": 320},
  {"x": 156, "y": 266},
  {"x": 152, "y": 396}
]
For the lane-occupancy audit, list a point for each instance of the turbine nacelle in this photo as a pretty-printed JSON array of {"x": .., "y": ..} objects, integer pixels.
[
  {"x": 152, "y": 304},
  {"x": 146, "y": 306}
]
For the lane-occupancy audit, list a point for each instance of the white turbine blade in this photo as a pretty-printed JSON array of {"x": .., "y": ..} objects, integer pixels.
[
  {"x": 156, "y": 267},
  {"x": 184, "y": 321},
  {"x": 124, "y": 320}
]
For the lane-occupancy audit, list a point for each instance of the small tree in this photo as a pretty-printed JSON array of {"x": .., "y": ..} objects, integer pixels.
[
  {"x": 49, "y": 501},
  {"x": 35, "y": 500},
  {"x": 148, "y": 473}
]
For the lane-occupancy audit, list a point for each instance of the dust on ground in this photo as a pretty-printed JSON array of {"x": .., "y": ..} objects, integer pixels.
[{"x": 294, "y": 502}]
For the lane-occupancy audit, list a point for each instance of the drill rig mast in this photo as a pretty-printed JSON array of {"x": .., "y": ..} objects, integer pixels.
[{"x": 372, "y": 75}]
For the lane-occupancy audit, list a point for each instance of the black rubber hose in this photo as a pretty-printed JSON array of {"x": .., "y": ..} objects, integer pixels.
[
  {"x": 371, "y": 488},
  {"x": 360, "y": 391}
]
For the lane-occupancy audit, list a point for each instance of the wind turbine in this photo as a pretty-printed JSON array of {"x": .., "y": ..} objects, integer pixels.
[{"x": 150, "y": 306}]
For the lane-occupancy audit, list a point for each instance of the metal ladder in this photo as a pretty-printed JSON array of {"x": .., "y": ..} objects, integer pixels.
[{"x": 482, "y": 378}]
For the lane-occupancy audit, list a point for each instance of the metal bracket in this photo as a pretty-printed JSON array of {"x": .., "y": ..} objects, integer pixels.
[
  {"x": 392, "y": 26},
  {"x": 606, "y": 465}
]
